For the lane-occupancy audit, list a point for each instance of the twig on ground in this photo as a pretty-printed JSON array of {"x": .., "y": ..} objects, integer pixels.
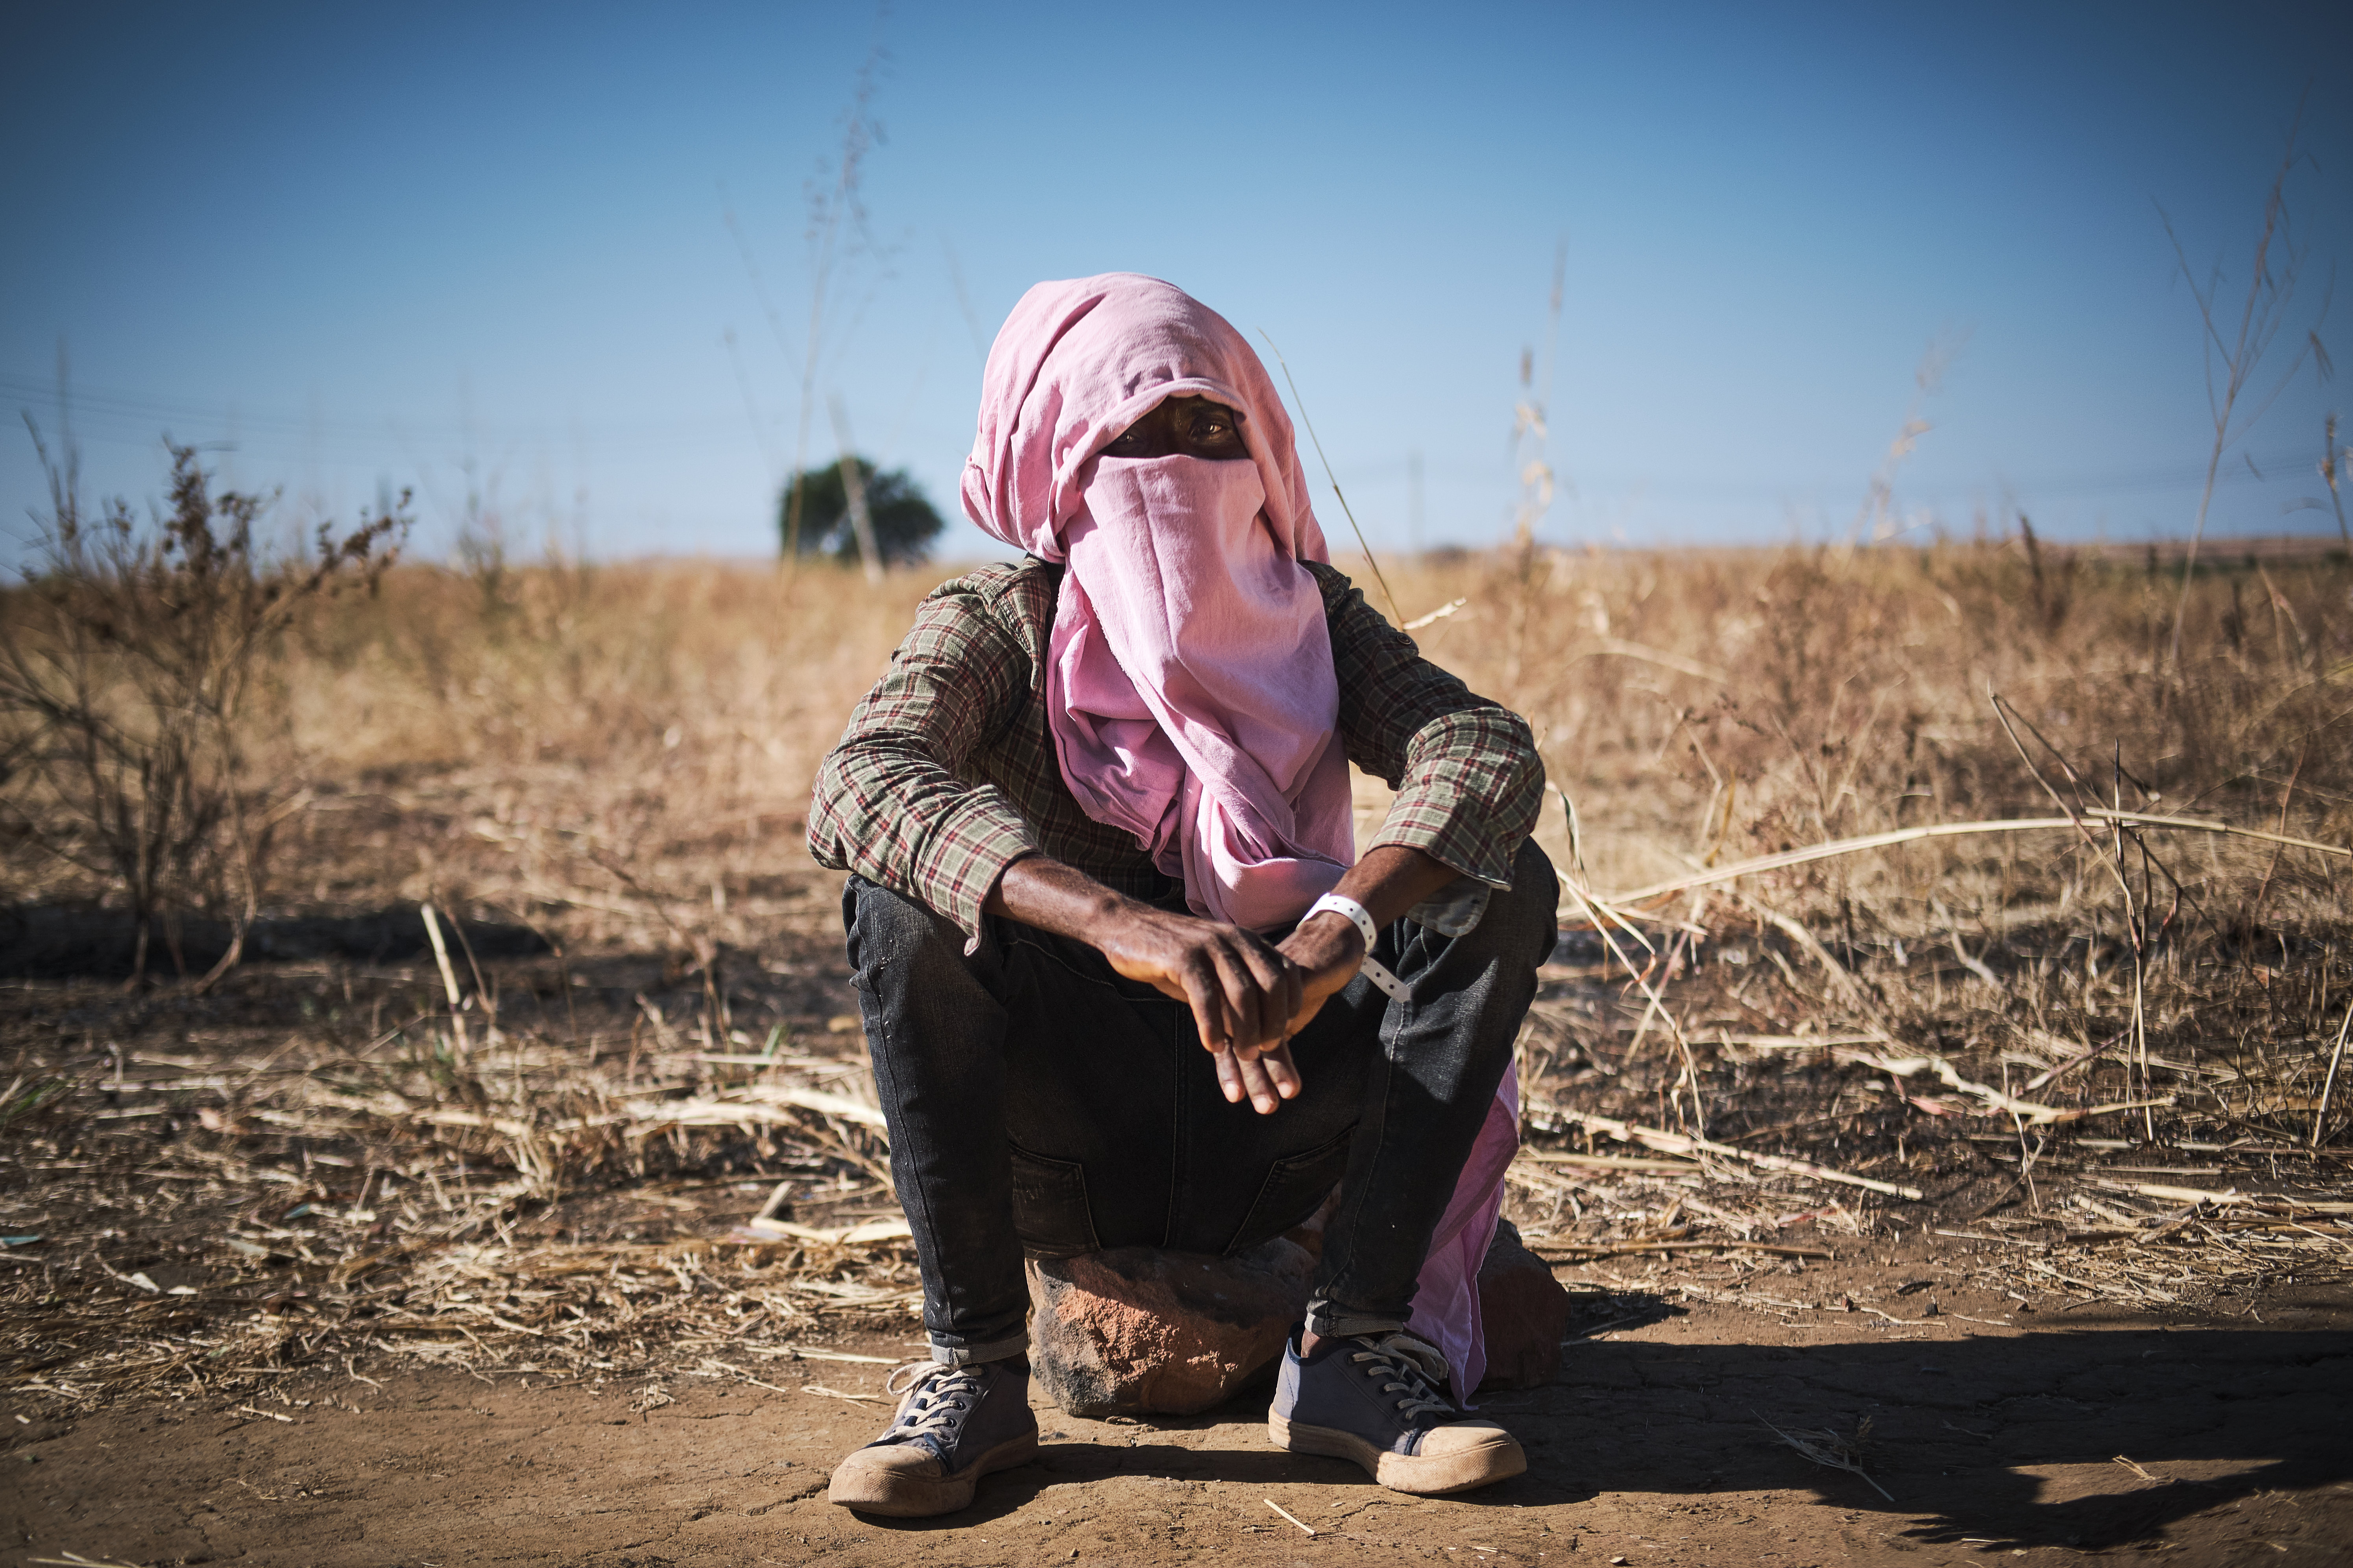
[
  {"x": 1291, "y": 1516},
  {"x": 1615, "y": 1248},
  {"x": 1682, "y": 1143},
  {"x": 837, "y": 1393}
]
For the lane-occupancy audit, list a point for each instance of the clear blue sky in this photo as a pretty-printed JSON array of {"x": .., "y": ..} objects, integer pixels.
[{"x": 364, "y": 246}]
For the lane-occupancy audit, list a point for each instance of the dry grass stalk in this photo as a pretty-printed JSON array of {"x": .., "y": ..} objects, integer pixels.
[
  {"x": 1826, "y": 1447},
  {"x": 1631, "y": 1248},
  {"x": 1678, "y": 1143},
  {"x": 2271, "y": 290},
  {"x": 1793, "y": 858},
  {"x": 1395, "y": 614},
  {"x": 2328, "y": 1085}
]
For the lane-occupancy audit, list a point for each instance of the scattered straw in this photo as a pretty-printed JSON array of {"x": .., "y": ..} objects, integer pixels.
[
  {"x": 838, "y": 1393},
  {"x": 1679, "y": 1143}
]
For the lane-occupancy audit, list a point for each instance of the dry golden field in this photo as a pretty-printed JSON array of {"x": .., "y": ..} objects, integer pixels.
[
  {"x": 2090, "y": 1058},
  {"x": 582, "y": 725}
]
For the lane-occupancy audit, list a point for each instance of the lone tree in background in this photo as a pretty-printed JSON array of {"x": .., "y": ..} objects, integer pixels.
[{"x": 905, "y": 522}]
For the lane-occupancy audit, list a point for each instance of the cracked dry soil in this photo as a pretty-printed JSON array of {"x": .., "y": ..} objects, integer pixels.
[{"x": 2066, "y": 1435}]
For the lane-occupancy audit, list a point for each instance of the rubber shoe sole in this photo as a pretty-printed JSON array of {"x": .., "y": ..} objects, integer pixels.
[
  {"x": 905, "y": 1492},
  {"x": 1498, "y": 1459}
]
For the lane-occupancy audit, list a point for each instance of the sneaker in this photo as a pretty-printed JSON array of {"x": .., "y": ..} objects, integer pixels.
[
  {"x": 955, "y": 1424},
  {"x": 1379, "y": 1399}
]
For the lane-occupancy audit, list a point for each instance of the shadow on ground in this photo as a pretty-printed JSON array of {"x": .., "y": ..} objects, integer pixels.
[
  {"x": 66, "y": 942},
  {"x": 1959, "y": 1433},
  {"x": 2212, "y": 1443}
]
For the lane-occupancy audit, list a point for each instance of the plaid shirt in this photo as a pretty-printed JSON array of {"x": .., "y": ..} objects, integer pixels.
[{"x": 947, "y": 773}]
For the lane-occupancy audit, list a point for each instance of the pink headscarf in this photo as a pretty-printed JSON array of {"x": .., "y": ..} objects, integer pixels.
[{"x": 1189, "y": 687}]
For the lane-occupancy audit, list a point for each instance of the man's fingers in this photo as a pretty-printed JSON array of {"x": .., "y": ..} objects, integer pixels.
[
  {"x": 1266, "y": 1079},
  {"x": 1205, "y": 991},
  {"x": 1245, "y": 994},
  {"x": 1229, "y": 1077},
  {"x": 1277, "y": 987},
  {"x": 1233, "y": 994},
  {"x": 1282, "y": 1071},
  {"x": 1263, "y": 1096},
  {"x": 1277, "y": 977},
  {"x": 1283, "y": 998},
  {"x": 1255, "y": 1019}
]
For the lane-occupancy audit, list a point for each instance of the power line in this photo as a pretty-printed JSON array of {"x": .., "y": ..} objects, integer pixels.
[{"x": 86, "y": 402}]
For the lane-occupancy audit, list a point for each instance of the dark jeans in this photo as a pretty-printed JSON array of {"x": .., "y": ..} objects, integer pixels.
[{"x": 1036, "y": 1098}]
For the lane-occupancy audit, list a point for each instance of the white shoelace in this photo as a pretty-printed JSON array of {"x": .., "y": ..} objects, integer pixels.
[
  {"x": 934, "y": 1397},
  {"x": 1418, "y": 1369}
]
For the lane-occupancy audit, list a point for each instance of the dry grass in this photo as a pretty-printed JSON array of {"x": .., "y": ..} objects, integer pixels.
[{"x": 601, "y": 776}]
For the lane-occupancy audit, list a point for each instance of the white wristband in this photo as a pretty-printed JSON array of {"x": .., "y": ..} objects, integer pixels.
[
  {"x": 1361, "y": 917},
  {"x": 1348, "y": 909}
]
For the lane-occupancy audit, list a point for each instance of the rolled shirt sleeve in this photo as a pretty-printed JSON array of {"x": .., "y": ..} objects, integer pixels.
[
  {"x": 891, "y": 803},
  {"x": 1469, "y": 781}
]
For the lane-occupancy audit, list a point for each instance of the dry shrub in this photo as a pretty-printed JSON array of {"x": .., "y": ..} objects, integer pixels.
[{"x": 136, "y": 665}]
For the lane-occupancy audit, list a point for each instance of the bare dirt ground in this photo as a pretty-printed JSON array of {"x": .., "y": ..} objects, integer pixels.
[
  {"x": 2064, "y": 1436},
  {"x": 1995, "y": 1408}
]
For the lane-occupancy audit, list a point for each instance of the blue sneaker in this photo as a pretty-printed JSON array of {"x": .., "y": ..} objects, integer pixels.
[
  {"x": 955, "y": 1425},
  {"x": 1379, "y": 1399}
]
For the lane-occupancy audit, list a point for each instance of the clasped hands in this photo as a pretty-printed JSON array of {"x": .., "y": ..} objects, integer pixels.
[{"x": 1248, "y": 996}]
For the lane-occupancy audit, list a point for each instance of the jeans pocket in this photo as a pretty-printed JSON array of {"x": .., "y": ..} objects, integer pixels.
[
  {"x": 1294, "y": 1185},
  {"x": 1049, "y": 1206}
]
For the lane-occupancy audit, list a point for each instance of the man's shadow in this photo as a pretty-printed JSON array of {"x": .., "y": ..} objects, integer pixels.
[{"x": 2170, "y": 1423}]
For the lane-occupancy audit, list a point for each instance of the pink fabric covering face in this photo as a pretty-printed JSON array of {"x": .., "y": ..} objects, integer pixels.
[{"x": 1189, "y": 687}]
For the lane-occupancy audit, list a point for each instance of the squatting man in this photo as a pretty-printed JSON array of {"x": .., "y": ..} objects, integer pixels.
[{"x": 1125, "y": 979}]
